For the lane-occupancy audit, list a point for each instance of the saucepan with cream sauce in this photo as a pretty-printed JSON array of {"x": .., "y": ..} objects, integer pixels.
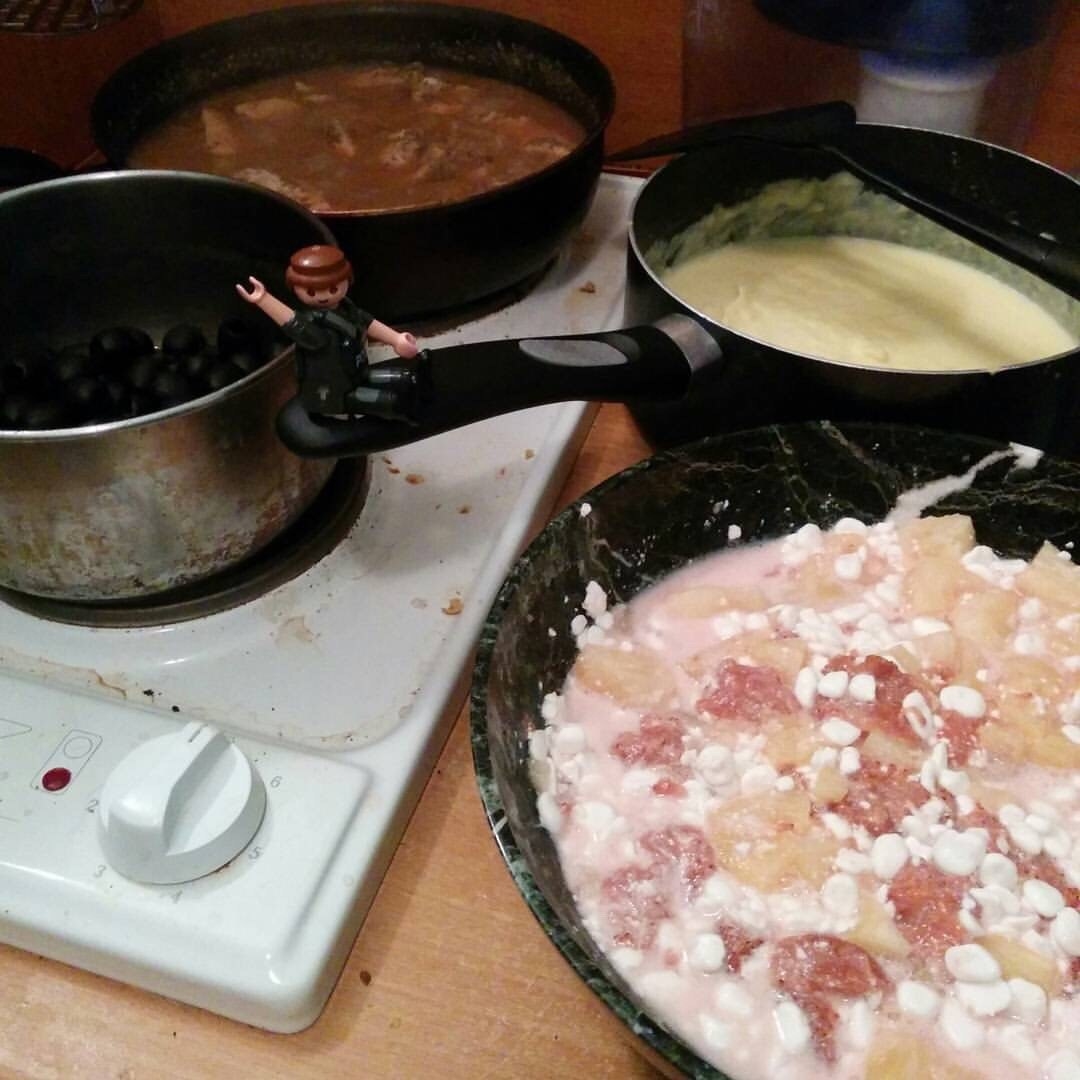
[{"x": 832, "y": 301}]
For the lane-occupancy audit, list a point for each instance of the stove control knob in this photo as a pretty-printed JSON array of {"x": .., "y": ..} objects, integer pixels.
[{"x": 179, "y": 807}]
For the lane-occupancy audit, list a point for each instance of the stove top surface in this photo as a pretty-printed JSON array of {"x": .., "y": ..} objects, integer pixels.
[{"x": 339, "y": 684}]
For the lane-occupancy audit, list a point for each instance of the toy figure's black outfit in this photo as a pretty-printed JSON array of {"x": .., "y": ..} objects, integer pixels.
[{"x": 331, "y": 355}]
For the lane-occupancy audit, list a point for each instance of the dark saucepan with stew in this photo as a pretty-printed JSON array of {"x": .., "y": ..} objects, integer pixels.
[{"x": 487, "y": 130}]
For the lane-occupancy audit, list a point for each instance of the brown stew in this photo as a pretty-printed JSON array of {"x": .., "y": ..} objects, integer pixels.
[{"x": 371, "y": 137}]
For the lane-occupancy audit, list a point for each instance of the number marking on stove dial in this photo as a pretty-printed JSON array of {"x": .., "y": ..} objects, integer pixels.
[{"x": 179, "y": 807}]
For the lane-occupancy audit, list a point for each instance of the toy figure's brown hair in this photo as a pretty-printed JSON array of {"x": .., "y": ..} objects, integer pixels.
[{"x": 319, "y": 266}]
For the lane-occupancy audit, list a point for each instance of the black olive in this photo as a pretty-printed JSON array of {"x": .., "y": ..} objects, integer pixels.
[
  {"x": 183, "y": 340},
  {"x": 246, "y": 360},
  {"x": 12, "y": 378},
  {"x": 40, "y": 379},
  {"x": 142, "y": 402},
  {"x": 196, "y": 365},
  {"x": 88, "y": 396},
  {"x": 13, "y": 410},
  {"x": 237, "y": 335},
  {"x": 114, "y": 347},
  {"x": 142, "y": 371},
  {"x": 119, "y": 396},
  {"x": 74, "y": 360},
  {"x": 46, "y": 415},
  {"x": 171, "y": 388},
  {"x": 222, "y": 374}
]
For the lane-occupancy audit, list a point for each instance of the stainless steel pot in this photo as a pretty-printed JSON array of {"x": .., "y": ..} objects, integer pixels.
[{"x": 137, "y": 507}]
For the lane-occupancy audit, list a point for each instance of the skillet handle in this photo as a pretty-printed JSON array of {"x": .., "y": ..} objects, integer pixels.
[{"x": 461, "y": 384}]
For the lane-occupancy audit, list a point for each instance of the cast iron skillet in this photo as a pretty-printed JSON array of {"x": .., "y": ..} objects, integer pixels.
[
  {"x": 407, "y": 262},
  {"x": 687, "y": 375},
  {"x": 656, "y": 517}
]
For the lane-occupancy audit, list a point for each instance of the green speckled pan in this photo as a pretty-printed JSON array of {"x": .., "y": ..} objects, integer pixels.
[{"x": 661, "y": 514}]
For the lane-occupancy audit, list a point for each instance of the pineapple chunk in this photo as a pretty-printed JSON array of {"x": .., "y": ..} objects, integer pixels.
[
  {"x": 708, "y": 600},
  {"x": 786, "y": 655},
  {"x": 1027, "y": 733},
  {"x": 784, "y": 859},
  {"x": 768, "y": 842},
  {"x": 637, "y": 679},
  {"x": 790, "y": 742},
  {"x": 986, "y": 618},
  {"x": 902, "y": 1055},
  {"x": 935, "y": 584},
  {"x": 881, "y": 747},
  {"x": 830, "y": 785},
  {"x": 949, "y": 535},
  {"x": 1029, "y": 675},
  {"x": 875, "y": 930},
  {"x": 1052, "y": 578},
  {"x": 1019, "y": 962}
]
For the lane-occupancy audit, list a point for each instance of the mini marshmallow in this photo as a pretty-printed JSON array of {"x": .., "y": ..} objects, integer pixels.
[
  {"x": 708, "y": 953},
  {"x": 791, "y": 1026},
  {"x": 960, "y": 1027},
  {"x": 888, "y": 855},
  {"x": 918, "y": 999},
  {"x": 1042, "y": 898},
  {"x": 840, "y": 895},
  {"x": 833, "y": 684},
  {"x": 998, "y": 869},
  {"x": 1065, "y": 931},
  {"x": 806, "y": 683},
  {"x": 984, "y": 999},
  {"x": 839, "y": 732},
  {"x": 850, "y": 761},
  {"x": 972, "y": 963},
  {"x": 863, "y": 688},
  {"x": 959, "y": 853},
  {"x": 963, "y": 700},
  {"x": 1028, "y": 1001}
]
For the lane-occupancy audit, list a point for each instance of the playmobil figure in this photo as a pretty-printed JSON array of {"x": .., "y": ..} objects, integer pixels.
[{"x": 331, "y": 335}]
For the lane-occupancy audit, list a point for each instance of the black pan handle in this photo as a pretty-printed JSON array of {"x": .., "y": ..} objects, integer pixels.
[
  {"x": 19, "y": 167},
  {"x": 461, "y": 384}
]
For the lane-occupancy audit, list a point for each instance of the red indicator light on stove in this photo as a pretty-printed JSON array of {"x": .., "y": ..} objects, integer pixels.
[{"x": 56, "y": 779}]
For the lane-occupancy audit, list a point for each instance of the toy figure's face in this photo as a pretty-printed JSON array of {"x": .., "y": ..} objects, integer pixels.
[{"x": 322, "y": 298}]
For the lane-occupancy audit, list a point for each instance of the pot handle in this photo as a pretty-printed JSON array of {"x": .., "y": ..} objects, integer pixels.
[{"x": 461, "y": 384}]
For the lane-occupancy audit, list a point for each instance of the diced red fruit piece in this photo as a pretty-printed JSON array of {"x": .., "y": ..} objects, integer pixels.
[
  {"x": 879, "y": 796},
  {"x": 636, "y": 905},
  {"x": 658, "y": 741},
  {"x": 810, "y": 968},
  {"x": 961, "y": 733},
  {"x": 684, "y": 847},
  {"x": 671, "y": 789},
  {"x": 812, "y": 964},
  {"x": 886, "y": 711},
  {"x": 927, "y": 903},
  {"x": 822, "y": 1019},
  {"x": 738, "y": 945},
  {"x": 747, "y": 692}
]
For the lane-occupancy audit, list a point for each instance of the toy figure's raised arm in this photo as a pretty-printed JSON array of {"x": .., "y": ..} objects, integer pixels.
[{"x": 266, "y": 302}]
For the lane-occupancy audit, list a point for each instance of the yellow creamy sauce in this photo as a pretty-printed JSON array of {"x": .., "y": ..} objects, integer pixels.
[{"x": 867, "y": 302}]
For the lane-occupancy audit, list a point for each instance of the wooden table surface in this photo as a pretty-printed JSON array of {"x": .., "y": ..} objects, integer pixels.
[{"x": 450, "y": 977}]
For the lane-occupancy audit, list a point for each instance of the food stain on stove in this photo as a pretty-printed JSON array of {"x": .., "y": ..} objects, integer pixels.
[
  {"x": 419, "y": 603},
  {"x": 588, "y": 287},
  {"x": 530, "y": 453},
  {"x": 38, "y": 667},
  {"x": 464, "y": 509},
  {"x": 455, "y": 606},
  {"x": 414, "y": 478},
  {"x": 295, "y": 628}
]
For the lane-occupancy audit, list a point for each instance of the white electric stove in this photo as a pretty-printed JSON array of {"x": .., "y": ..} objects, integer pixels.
[{"x": 335, "y": 690}]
